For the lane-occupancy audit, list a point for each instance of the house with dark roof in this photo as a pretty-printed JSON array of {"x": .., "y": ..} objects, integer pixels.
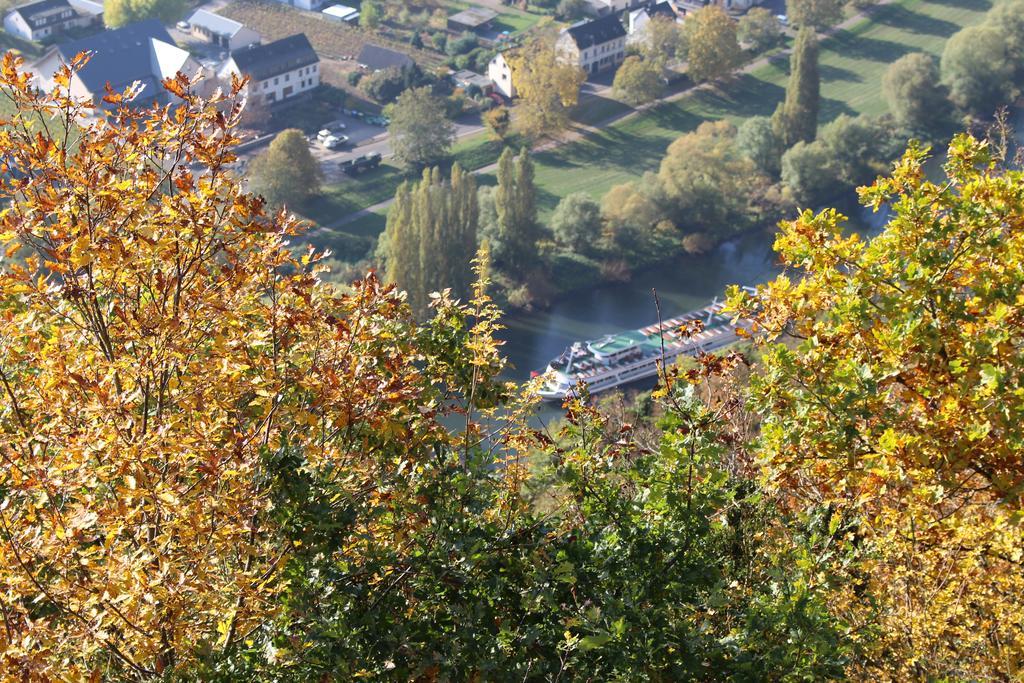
[
  {"x": 225, "y": 33},
  {"x": 46, "y": 20},
  {"x": 277, "y": 71},
  {"x": 595, "y": 45},
  {"x": 142, "y": 52},
  {"x": 377, "y": 58}
]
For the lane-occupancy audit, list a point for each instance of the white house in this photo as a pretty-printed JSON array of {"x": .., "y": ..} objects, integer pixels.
[
  {"x": 142, "y": 52},
  {"x": 278, "y": 70},
  {"x": 221, "y": 31},
  {"x": 48, "y": 19},
  {"x": 638, "y": 20},
  {"x": 500, "y": 74},
  {"x": 342, "y": 13},
  {"x": 594, "y": 45}
]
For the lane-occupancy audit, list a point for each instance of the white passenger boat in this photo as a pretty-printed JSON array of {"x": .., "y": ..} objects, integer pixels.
[{"x": 618, "y": 359}]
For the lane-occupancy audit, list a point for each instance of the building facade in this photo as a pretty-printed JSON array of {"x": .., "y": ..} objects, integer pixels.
[
  {"x": 500, "y": 73},
  {"x": 225, "y": 33},
  {"x": 49, "y": 19},
  {"x": 277, "y": 71},
  {"x": 594, "y": 46}
]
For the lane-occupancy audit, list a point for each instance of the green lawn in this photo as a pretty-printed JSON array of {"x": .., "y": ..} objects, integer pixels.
[{"x": 852, "y": 64}]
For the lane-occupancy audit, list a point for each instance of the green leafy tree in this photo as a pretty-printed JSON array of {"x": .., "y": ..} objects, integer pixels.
[
  {"x": 816, "y": 14},
  {"x": 859, "y": 148},
  {"x": 913, "y": 92},
  {"x": 120, "y": 12},
  {"x": 431, "y": 236},
  {"x": 796, "y": 119},
  {"x": 713, "y": 51},
  {"x": 808, "y": 172},
  {"x": 548, "y": 89},
  {"x": 663, "y": 41},
  {"x": 287, "y": 173},
  {"x": 756, "y": 140},
  {"x": 707, "y": 181},
  {"x": 638, "y": 81},
  {"x": 576, "y": 222},
  {"x": 515, "y": 200},
  {"x": 760, "y": 29},
  {"x": 369, "y": 16},
  {"x": 420, "y": 132},
  {"x": 978, "y": 69},
  {"x": 1007, "y": 16}
]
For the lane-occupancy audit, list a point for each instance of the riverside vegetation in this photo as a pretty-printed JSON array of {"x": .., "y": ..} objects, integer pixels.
[
  {"x": 219, "y": 467},
  {"x": 753, "y": 170}
]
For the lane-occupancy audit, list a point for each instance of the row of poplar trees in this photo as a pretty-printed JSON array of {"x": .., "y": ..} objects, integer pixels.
[{"x": 434, "y": 229}]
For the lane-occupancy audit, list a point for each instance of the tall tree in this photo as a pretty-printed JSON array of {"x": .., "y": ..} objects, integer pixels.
[
  {"x": 431, "y": 236},
  {"x": 913, "y": 92},
  {"x": 287, "y": 173},
  {"x": 713, "y": 50},
  {"x": 516, "y": 204},
  {"x": 796, "y": 119},
  {"x": 420, "y": 132},
  {"x": 548, "y": 89},
  {"x": 576, "y": 222},
  {"x": 816, "y": 14},
  {"x": 757, "y": 141}
]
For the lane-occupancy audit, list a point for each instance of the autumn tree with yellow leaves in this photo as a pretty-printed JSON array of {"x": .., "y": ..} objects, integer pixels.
[
  {"x": 160, "y": 350},
  {"x": 548, "y": 89},
  {"x": 892, "y": 394}
]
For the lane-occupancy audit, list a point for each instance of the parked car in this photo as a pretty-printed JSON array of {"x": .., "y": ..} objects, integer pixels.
[
  {"x": 334, "y": 141},
  {"x": 357, "y": 165},
  {"x": 335, "y": 126},
  {"x": 324, "y": 134},
  {"x": 183, "y": 26},
  {"x": 783, "y": 19}
]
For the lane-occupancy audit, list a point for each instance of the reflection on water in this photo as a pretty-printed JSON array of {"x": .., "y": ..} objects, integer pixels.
[{"x": 532, "y": 339}]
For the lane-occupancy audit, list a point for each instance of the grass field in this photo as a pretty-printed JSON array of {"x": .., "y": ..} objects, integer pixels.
[{"x": 852, "y": 64}]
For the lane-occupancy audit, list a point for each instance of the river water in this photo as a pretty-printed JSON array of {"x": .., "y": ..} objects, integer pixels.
[
  {"x": 684, "y": 284},
  {"x": 689, "y": 282}
]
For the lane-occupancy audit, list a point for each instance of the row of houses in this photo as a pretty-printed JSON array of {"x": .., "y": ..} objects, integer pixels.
[{"x": 144, "y": 53}]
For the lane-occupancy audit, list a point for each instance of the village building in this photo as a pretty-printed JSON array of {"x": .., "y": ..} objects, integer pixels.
[
  {"x": 142, "y": 52},
  {"x": 499, "y": 71},
  {"x": 595, "y": 46},
  {"x": 48, "y": 20},
  {"x": 225, "y": 33},
  {"x": 277, "y": 71}
]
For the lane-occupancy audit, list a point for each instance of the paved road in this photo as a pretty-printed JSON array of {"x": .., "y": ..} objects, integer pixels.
[{"x": 601, "y": 87}]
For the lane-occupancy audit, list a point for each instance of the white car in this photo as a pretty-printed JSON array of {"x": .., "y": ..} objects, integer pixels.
[
  {"x": 183, "y": 26},
  {"x": 324, "y": 134},
  {"x": 334, "y": 141}
]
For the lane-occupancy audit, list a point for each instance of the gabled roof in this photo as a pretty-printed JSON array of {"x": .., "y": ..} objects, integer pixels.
[
  {"x": 661, "y": 9},
  {"x": 142, "y": 51},
  {"x": 376, "y": 57},
  {"x": 597, "y": 32},
  {"x": 214, "y": 23},
  {"x": 281, "y": 56},
  {"x": 36, "y": 14}
]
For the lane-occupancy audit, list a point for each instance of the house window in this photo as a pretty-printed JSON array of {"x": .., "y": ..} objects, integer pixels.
[{"x": 276, "y": 80}]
